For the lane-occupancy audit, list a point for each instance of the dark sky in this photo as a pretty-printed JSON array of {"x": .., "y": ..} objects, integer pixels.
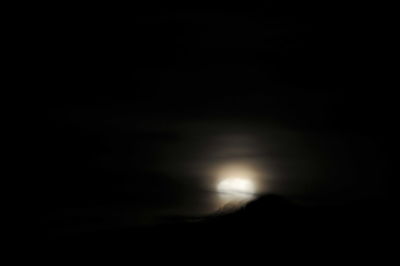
[{"x": 132, "y": 106}]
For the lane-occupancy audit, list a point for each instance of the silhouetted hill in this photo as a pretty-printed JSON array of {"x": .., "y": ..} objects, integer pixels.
[{"x": 269, "y": 226}]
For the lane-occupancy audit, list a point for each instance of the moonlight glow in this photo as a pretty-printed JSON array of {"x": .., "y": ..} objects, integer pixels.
[
  {"x": 236, "y": 180},
  {"x": 236, "y": 183},
  {"x": 236, "y": 186}
]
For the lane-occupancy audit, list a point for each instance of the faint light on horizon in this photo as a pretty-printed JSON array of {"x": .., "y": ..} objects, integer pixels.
[
  {"x": 236, "y": 184},
  {"x": 237, "y": 176}
]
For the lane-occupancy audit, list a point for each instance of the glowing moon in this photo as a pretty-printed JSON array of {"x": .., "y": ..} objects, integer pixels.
[
  {"x": 237, "y": 179},
  {"x": 236, "y": 186}
]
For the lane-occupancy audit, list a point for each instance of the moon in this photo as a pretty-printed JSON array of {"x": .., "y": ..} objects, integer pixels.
[
  {"x": 237, "y": 179},
  {"x": 236, "y": 186}
]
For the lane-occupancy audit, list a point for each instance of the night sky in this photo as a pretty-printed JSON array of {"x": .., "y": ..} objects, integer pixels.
[{"x": 136, "y": 110}]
